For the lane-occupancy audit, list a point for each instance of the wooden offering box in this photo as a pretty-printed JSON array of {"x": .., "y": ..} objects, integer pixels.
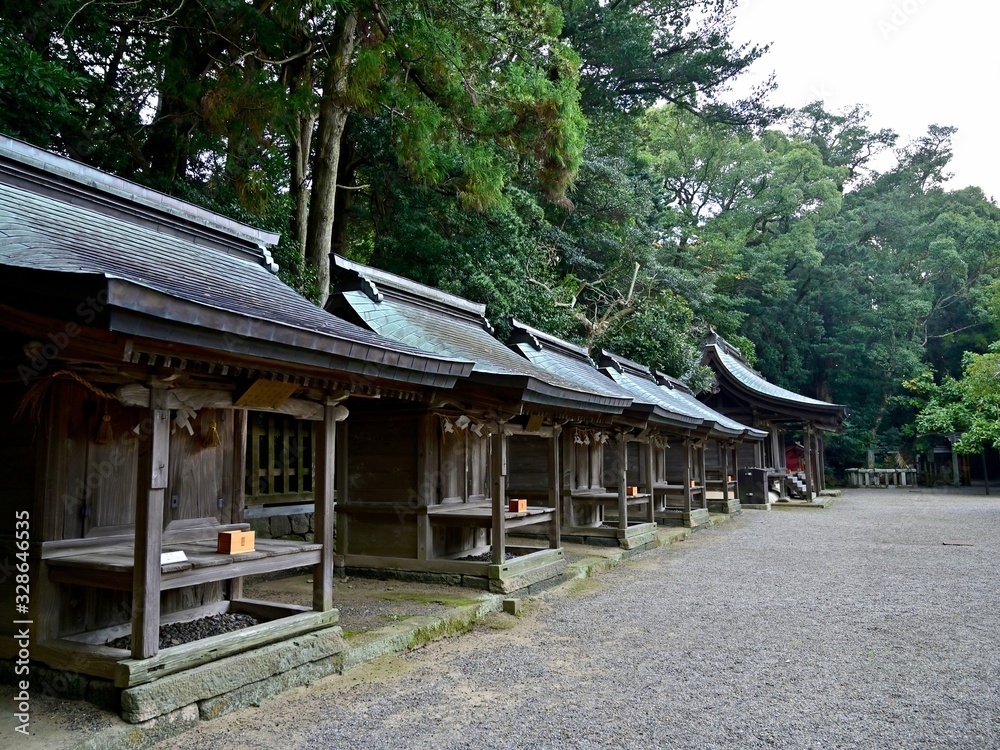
[
  {"x": 518, "y": 506},
  {"x": 234, "y": 542}
]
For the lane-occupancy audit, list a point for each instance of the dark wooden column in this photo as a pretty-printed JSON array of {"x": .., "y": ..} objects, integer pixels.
[
  {"x": 427, "y": 474},
  {"x": 342, "y": 529},
  {"x": 622, "y": 481},
  {"x": 154, "y": 454},
  {"x": 700, "y": 458},
  {"x": 238, "y": 474},
  {"x": 725, "y": 449},
  {"x": 555, "y": 488},
  {"x": 647, "y": 455},
  {"x": 810, "y": 471},
  {"x": 688, "y": 475},
  {"x": 498, "y": 477},
  {"x": 821, "y": 459},
  {"x": 325, "y": 456}
]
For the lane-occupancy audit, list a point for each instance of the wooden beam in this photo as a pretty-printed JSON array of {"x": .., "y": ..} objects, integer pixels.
[
  {"x": 153, "y": 471},
  {"x": 325, "y": 458},
  {"x": 208, "y": 398}
]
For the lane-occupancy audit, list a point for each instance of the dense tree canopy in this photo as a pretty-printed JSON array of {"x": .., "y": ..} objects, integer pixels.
[{"x": 571, "y": 163}]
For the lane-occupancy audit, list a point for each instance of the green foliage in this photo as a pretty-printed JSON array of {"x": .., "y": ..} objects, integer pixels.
[
  {"x": 968, "y": 406},
  {"x": 636, "y": 54}
]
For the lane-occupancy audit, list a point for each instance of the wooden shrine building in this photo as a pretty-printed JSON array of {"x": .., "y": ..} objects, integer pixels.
[
  {"x": 719, "y": 454},
  {"x": 136, "y": 333},
  {"x": 678, "y": 466},
  {"x": 603, "y": 501},
  {"x": 743, "y": 394},
  {"x": 426, "y": 489}
]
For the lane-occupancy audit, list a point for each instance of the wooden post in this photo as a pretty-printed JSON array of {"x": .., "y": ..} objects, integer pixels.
[
  {"x": 342, "y": 528},
  {"x": 807, "y": 443},
  {"x": 724, "y": 450},
  {"x": 427, "y": 471},
  {"x": 325, "y": 457},
  {"x": 239, "y": 468},
  {"x": 555, "y": 488},
  {"x": 498, "y": 471},
  {"x": 622, "y": 481},
  {"x": 154, "y": 454},
  {"x": 700, "y": 458},
  {"x": 688, "y": 474},
  {"x": 569, "y": 478},
  {"x": 647, "y": 454}
]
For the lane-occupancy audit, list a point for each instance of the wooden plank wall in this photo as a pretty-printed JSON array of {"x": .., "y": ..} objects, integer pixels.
[
  {"x": 633, "y": 468},
  {"x": 89, "y": 488},
  {"x": 528, "y": 462},
  {"x": 383, "y": 451},
  {"x": 675, "y": 463}
]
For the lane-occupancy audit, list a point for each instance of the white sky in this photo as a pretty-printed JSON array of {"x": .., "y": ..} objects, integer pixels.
[{"x": 912, "y": 63}]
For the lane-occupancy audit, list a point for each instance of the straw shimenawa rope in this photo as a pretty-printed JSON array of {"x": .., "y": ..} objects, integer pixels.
[{"x": 31, "y": 404}]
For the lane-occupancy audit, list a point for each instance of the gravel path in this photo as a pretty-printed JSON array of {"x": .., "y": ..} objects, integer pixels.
[{"x": 873, "y": 624}]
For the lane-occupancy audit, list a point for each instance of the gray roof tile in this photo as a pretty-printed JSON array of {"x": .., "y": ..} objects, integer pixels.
[{"x": 44, "y": 233}]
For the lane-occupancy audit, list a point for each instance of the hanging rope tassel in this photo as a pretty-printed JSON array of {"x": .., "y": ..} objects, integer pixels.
[
  {"x": 104, "y": 432},
  {"x": 212, "y": 439}
]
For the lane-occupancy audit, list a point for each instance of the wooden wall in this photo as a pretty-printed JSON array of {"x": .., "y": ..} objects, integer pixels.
[
  {"x": 84, "y": 488},
  {"x": 381, "y": 453},
  {"x": 528, "y": 467},
  {"x": 633, "y": 467}
]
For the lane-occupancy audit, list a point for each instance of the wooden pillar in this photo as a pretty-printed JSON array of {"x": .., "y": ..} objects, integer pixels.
[
  {"x": 956, "y": 474},
  {"x": 807, "y": 445},
  {"x": 555, "y": 488},
  {"x": 688, "y": 475},
  {"x": 154, "y": 454},
  {"x": 647, "y": 454},
  {"x": 238, "y": 469},
  {"x": 498, "y": 472},
  {"x": 622, "y": 481},
  {"x": 700, "y": 463},
  {"x": 569, "y": 478},
  {"x": 821, "y": 459},
  {"x": 325, "y": 455},
  {"x": 342, "y": 529},
  {"x": 427, "y": 472},
  {"x": 724, "y": 450},
  {"x": 818, "y": 461}
]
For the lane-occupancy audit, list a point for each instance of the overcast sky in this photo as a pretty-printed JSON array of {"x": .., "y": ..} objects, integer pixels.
[{"x": 912, "y": 63}]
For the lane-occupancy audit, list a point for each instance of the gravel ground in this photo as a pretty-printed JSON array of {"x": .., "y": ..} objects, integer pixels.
[{"x": 872, "y": 624}]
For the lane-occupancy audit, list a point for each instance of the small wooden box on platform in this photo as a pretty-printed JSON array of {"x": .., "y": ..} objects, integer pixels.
[
  {"x": 631, "y": 491},
  {"x": 517, "y": 505},
  {"x": 234, "y": 542}
]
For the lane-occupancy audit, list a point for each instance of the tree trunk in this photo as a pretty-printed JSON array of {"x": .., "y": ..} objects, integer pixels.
[
  {"x": 332, "y": 119},
  {"x": 345, "y": 196},
  {"x": 299, "y": 77}
]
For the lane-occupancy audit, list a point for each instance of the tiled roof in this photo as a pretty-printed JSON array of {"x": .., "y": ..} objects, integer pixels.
[
  {"x": 729, "y": 363},
  {"x": 639, "y": 381},
  {"x": 432, "y": 320},
  {"x": 723, "y": 425},
  {"x": 176, "y": 278},
  {"x": 564, "y": 359}
]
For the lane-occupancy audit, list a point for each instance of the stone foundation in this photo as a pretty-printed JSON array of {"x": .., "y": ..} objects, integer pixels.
[{"x": 298, "y": 527}]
